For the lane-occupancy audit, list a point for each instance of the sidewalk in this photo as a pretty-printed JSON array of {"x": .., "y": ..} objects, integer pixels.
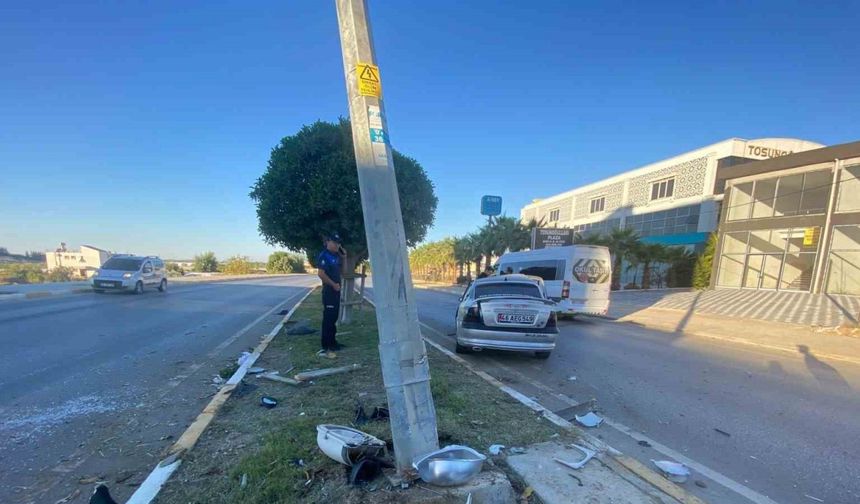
[{"x": 254, "y": 455}]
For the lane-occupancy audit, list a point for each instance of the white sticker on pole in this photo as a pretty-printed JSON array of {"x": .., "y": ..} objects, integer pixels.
[
  {"x": 378, "y": 142},
  {"x": 374, "y": 117}
]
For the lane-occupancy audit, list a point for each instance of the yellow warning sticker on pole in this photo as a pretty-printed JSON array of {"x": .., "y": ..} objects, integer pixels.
[{"x": 368, "y": 80}]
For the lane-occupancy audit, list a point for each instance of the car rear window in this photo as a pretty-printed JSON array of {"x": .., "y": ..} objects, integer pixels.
[
  {"x": 548, "y": 270},
  {"x": 122, "y": 264},
  {"x": 507, "y": 289}
]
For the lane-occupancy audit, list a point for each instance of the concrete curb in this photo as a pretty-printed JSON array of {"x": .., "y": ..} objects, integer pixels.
[{"x": 152, "y": 485}]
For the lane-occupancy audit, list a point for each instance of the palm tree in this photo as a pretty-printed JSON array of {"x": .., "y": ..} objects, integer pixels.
[
  {"x": 647, "y": 254},
  {"x": 680, "y": 272},
  {"x": 621, "y": 242}
]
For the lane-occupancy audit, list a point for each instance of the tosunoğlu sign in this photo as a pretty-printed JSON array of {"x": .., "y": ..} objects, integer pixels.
[{"x": 766, "y": 152}]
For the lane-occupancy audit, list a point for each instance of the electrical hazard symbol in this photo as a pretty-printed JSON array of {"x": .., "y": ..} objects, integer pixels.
[{"x": 368, "y": 80}]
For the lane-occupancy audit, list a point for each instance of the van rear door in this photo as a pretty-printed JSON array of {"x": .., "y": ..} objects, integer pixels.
[
  {"x": 552, "y": 271},
  {"x": 592, "y": 273}
]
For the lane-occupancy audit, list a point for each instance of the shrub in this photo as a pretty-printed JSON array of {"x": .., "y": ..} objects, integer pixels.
[
  {"x": 206, "y": 262},
  {"x": 285, "y": 262},
  {"x": 704, "y": 263},
  {"x": 237, "y": 265},
  {"x": 174, "y": 269},
  {"x": 61, "y": 274}
]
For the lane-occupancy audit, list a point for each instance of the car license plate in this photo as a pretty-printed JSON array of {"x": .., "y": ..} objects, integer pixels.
[
  {"x": 105, "y": 284},
  {"x": 515, "y": 318}
]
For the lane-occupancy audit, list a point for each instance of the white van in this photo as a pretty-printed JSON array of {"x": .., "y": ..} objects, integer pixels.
[{"x": 577, "y": 277}]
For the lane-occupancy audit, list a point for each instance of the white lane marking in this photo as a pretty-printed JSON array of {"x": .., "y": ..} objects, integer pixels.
[{"x": 712, "y": 474}]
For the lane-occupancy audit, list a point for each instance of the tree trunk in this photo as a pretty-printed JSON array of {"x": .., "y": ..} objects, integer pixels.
[
  {"x": 616, "y": 272},
  {"x": 646, "y": 275},
  {"x": 347, "y": 288}
]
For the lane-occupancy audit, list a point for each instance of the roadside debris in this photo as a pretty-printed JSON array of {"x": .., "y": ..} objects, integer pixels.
[
  {"x": 816, "y": 499},
  {"x": 589, "y": 419},
  {"x": 644, "y": 443},
  {"x": 496, "y": 449},
  {"x": 217, "y": 380},
  {"x": 450, "y": 466},
  {"x": 578, "y": 481},
  {"x": 73, "y": 496},
  {"x": 89, "y": 481},
  {"x": 366, "y": 469},
  {"x": 517, "y": 450},
  {"x": 101, "y": 495},
  {"x": 589, "y": 454},
  {"x": 318, "y": 373},
  {"x": 360, "y": 416},
  {"x": 700, "y": 484},
  {"x": 380, "y": 413},
  {"x": 675, "y": 472},
  {"x": 300, "y": 328},
  {"x": 347, "y": 445},
  {"x": 243, "y": 358},
  {"x": 571, "y": 378},
  {"x": 256, "y": 370},
  {"x": 244, "y": 482},
  {"x": 274, "y": 376},
  {"x": 724, "y": 433},
  {"x": 268, "y": 402}
]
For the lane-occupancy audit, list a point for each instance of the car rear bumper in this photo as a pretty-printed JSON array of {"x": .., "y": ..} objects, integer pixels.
[
  {"x": 567, "y": 306},
  {"x": 503, "y": 340}
]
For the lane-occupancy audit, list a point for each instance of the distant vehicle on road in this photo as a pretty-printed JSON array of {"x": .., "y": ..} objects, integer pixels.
[
  {"x": 509, "y": 312},
  {"x": 576, "y": 277},
  {"x": 128, "y": 272}
]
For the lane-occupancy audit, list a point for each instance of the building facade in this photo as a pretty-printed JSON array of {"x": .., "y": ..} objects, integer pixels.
[
  {"x": 83, "y": 262},
  {"x": 675, "y": 201},
  {"x": 792, "y": 223}
]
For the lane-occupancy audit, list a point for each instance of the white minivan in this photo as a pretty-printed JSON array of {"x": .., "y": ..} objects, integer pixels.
[{"x": 577, "y": 277}]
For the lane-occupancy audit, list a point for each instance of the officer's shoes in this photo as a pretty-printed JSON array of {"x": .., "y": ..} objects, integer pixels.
[{"x": 327, "y": 354}]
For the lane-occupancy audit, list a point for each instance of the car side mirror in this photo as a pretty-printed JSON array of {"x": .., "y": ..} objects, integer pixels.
[{"x": 462, "y": 298}]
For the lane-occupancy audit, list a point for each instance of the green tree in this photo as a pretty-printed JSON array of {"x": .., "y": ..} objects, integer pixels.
[
  {"x": 646, "y": 255},
  {"x": 237, "y": 265},
  {"x": 310, "y": 188},
  {"x": 285, "y": 262},
  {"x": 704, "y": 264},
  {"x": 621, "y": 242},
  {"x": 206, "y": 262},
  {"x": 60, "y": 274},
  {"x": 680, "y": 272}
]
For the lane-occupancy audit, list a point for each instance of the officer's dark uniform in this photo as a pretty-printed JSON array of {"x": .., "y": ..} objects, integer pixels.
[{"x": 330, "y": 263}]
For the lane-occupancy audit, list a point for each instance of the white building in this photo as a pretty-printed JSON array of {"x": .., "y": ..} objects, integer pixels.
[
  {"x": 674, "y": 201},
  {"x": 83, "y": 263}
]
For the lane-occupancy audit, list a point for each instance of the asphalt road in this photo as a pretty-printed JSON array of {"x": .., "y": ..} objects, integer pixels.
[
  {"x": 99, "y": 385},
  {"x": 789, "y": 425}
]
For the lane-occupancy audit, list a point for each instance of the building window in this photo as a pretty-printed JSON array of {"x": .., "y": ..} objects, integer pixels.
[
  {"x": 553, "y": 215},
  {"x": 665, "y": 222},
  {"x": 800, "y": 194},
  {"x": 843, "y": 269},
  {"x": 597, "y": 204},
  {"x": 597, "y": 228},
  {"x": 663, "y": 189}
]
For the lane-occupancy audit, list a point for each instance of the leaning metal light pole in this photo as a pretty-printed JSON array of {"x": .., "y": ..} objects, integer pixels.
[{"x": 405, "y": 370}]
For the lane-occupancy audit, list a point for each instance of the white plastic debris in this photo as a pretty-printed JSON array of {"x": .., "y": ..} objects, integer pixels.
[
  {"x": 674, "y": 471},
  {"x": 589, "y": 454},
  {"x": 571, "y": 378},
  {"x": 496, "y": 449},
  {"x": 217, "y": 380},
  {"x": 256, "y": 370},
  {"x": 589, "y": 419},
  {"x": 243, "y": 358},
  {"x": 516, "y": 450}
]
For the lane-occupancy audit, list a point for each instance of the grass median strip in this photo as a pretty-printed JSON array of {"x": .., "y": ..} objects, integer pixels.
[{"x": 274, "y": 451}]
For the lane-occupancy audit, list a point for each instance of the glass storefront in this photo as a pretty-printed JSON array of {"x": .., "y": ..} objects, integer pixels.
[
  {"x": 843, "y": 268},
  {"x": 799, "y": 194},
  {"x": 767, "y": 259}
]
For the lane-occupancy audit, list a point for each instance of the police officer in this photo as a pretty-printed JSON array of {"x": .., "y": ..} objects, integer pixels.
[{"x": 329, "y": 265}]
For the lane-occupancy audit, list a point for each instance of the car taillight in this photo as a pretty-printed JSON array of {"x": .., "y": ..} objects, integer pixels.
[
  {"x": 565, "y": 290},
  {"x": 551, "y": 321},
  {"x": 473, "y": 314}
]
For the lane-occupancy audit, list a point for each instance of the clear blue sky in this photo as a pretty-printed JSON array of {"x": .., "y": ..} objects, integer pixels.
[{"x": 140, "y": 126}]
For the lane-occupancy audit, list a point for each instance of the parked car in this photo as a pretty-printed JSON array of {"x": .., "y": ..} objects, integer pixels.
[
  {"x": 577, "y": 277},
  {"x": 508, "y": 312},
  {"x": 128, "y": 272}
]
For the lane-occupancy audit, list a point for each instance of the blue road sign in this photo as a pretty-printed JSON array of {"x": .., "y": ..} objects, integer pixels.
[{"x": 491, "y": 205}]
